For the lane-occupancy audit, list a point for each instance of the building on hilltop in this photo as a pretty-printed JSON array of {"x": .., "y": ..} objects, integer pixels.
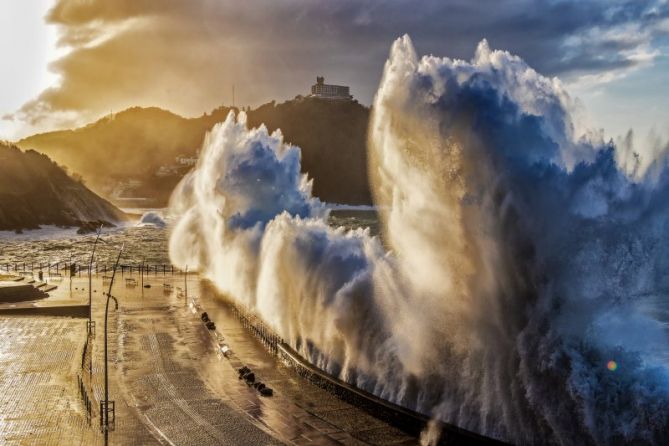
[
  {"x": 187, "y": 160},
  {"x": 322, "y": 90}
]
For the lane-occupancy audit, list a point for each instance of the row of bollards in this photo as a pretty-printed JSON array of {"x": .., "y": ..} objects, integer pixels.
[
  {"x": 271, "y": 340},
  {"x": 245, "y": 373},
  {"x": 406, "y": 420},
  {"x": 249, "y": 377},
  {"x": 208, "y": 322}
]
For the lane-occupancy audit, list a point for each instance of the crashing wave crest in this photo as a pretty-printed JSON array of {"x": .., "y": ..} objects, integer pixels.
[{"x": 524, "y": 258}]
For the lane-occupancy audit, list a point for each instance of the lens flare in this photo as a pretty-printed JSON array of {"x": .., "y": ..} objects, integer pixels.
[{"x": 612, "y": 365}]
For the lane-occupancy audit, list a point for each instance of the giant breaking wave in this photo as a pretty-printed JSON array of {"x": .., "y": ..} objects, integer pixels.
[{"x": 526, "y": 255}]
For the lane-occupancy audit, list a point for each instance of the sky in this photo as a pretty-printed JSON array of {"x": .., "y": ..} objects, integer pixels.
[{"x": 69, "y": 62}]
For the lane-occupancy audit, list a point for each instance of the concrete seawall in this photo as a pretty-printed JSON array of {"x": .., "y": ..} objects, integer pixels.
[
  {"x": 407, "y": 420},
  {"x": 75, "y": 311}
]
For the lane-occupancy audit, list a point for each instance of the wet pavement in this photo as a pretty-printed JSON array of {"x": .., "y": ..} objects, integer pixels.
[
  {"x": 39, "y": 403},
  {"x": 168, "y": 378},
  {"x": 299, "y": 412}
]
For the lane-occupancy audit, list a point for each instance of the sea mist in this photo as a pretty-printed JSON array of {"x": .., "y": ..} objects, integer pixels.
[{"x": 525, "y": 293}]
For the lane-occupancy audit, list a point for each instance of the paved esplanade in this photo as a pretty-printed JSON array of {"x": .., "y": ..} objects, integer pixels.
[
  {"x": 39, "y": 403},
  {"x": 170, "y": 383}
]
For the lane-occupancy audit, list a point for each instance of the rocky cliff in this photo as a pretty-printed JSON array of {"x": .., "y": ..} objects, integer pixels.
[{"x": 35, "y": 191}]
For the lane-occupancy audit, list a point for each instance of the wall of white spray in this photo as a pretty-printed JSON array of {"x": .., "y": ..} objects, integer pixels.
[{"x": 523, "y": 257}]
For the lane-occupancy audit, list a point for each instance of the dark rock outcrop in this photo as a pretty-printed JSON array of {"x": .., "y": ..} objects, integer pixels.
[
  {"x": 35, "y": 191},
  {"x": 333, "y": 139}
]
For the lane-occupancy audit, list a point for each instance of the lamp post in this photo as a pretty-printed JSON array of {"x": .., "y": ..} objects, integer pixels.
[
  {"x": 91, "y": 322},
  {"x": 104, "y": 405},
  {"x": 71, "y": 272}
]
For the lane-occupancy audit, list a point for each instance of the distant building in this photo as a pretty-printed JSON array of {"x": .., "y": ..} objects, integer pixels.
[
  {"x": 330, "y": 92},
  {"x": 186, "y": 160}
]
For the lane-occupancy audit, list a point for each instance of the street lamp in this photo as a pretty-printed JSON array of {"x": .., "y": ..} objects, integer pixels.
[
  {"x": 71, "y": 273},
  {"x": 186, "y": 284},
  {"x": 105, "y": 405},
  {"x": 91, "y": 322}
]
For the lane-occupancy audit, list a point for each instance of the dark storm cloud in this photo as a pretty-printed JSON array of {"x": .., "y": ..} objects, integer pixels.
[{"x": 185, "y": 55}]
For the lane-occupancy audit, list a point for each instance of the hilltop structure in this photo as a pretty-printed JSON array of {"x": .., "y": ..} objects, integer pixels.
[{"x": 328, "y": 92}]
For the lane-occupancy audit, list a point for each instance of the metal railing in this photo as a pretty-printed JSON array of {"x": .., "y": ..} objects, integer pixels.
[
  {"x": 64, "y": 268},
  {"x": 257, "y": 327}
]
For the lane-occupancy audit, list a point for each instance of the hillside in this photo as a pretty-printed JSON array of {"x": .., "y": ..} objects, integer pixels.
[
  {"x": 134, "y": 152},
  {"x": 131, "y": 145},
  {"x": 333, "y": 138},
  {"x": 35, "y": 191}
]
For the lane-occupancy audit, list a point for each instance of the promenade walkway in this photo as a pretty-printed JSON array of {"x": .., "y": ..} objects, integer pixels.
[{"x": 168, "y": 378}]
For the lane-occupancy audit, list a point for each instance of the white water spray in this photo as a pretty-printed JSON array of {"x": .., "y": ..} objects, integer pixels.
[{"x": 524, "y": 258}]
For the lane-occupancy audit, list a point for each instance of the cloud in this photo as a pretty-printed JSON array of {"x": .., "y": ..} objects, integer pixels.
[{"x": 187, "y": 55}]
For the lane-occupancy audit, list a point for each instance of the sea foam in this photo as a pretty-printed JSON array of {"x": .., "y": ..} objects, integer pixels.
[{"x": 524, "y": 257}]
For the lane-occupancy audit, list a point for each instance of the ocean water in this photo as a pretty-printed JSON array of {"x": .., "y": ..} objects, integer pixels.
[
  {"x": 354, "y": 219},
  {"x": 520, "y": 289},
  {"x": 50, "y": 246},
  {"x": 147, "y": 244}
]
